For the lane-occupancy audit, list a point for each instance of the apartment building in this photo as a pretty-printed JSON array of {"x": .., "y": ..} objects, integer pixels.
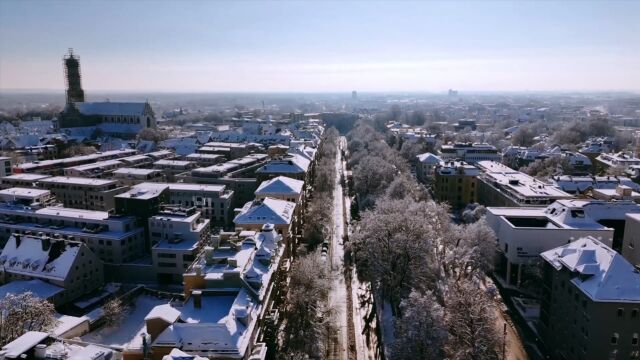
[
  {"x": 590, "y": 306},
  {"x": 631, "y": 241},
  {"x": 56, "y": 167},
  {"x": 114, "y": 239},
  {"x": 523, "y": 233},
  {"x": 5, "y": 166},
  {"x": 228, "y": 292},
  {"x": 234, "y": 150},
  {"x": 582, "y": 184},
  {"x": 98, "y": 169},
  {"x": 469, "y": 153},
  {"x": 205, "y": 159},
  {"x": 137, "y": 161},
  {"x": 456, "y": 183},
  {"x": 426, "y": 166},
  {"x": 132, "y": 176},
  {"x": 499, "y": 185},
  {"x": 622, "y": 159},
  {"x": 83, "y": 193},
  {"x": 26, "y": 196},
  {"x": 21, "y": 180},
  {"x": 280, "y": 213},
  {"x": 177, "y": 235},
  {"x": 293, "y": 165},
  {"x": 213, "y": 201},
  {"x": 69, "y": 265}
]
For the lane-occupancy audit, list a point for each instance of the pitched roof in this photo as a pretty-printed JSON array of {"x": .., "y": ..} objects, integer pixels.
[
  {"x": 269, "y": 210},
  {"x": 292, "y": 164},
  {"x": 429, "y": 158},
  {"x": 28, "y": 257},
  {"x": 604, "y": 274},
  {"x": 280, "y": 185},
  {"x": 111, "y": 108}
]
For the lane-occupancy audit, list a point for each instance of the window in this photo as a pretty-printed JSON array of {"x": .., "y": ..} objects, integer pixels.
[
  {"x": 634, "y": 339},
  {"x": 188, "y": 257},
  {"x": 634, "y": 313},
  {"x": 167, "y": 265},
  {"x": 620, "y": 312},
  {"x": 166, "y": 256},
  {"x": 614, "y": 339}
]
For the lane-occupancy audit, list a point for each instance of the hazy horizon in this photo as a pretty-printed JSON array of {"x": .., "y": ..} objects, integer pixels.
[{"x": 322, "y": 47}]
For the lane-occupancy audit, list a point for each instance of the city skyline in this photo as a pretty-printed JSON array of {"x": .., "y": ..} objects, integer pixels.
[{"x": 322, "y": 47}]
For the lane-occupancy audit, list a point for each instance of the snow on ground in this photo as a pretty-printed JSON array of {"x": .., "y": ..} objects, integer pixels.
[
  {"x": 387, "y": 322},
  {"x": 127, "y": 334},
  {"x": 338, "y": 293}
]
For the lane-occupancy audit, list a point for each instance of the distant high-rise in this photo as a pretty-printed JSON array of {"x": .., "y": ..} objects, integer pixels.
[
  {"x": 72, "y": 77},
  {"x": 354, "y": 95}
]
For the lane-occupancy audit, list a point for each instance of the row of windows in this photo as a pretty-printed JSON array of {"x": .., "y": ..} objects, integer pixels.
[{"x": 121, "y": 119}]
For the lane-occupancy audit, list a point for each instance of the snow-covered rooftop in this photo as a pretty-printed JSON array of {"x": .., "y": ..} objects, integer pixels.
[
  {"x": 81, "y": 181},
  {"x": 37, "y": 287},
  {"x": 280, "y": 185},
  {"x": 269, "y": 210},
  {"x": 24, "y": 343},
  {"x": 29, "y": 256},
  {"x": 604, "y": 274}
]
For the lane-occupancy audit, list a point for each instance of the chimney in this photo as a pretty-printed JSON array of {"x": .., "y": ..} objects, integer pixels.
[
  {"x": 197, "y": 299},
  {"x": 45, "y": 241},
  {"x": 17, "y": 237}
]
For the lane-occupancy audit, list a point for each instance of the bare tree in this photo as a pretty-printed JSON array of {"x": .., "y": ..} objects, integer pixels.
[
  {"x": 470, "y": 323},
  {"x": 421, "y": 331},
  {"x": 113, "y": 311},
  {"x": 308, "y": 316},
  {"x": 24, "y": 312},
  {"x": 78, "y": 149},
  {"x": 615, "y": 170},
  {"x": 154, "y": 135}
]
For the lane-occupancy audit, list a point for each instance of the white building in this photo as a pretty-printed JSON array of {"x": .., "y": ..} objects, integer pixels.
[
  {"x": 176, "y": 235},
  {"x": 618, "y": 159},
  {"x": 426, "y": 166},
  {"x": 114, "y": 239},
  {"x": 470, "y": 153},
  {"x": 524, "y": 233}
]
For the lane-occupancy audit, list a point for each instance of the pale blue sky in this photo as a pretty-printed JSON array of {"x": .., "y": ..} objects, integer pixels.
[{"x": 323, "y": 46}]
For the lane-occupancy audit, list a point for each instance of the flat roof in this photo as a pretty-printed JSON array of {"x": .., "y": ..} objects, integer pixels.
[
  {"x": 136, "y": 171},
  {"x": 24, "y": 192},
  {"x": 26, "y": 176},
  {"x": 172, "y": 162},
  {"x": 74, "y": 213},
  {"x": 75, "y": 180},
  {"x": 95, "y": 165}
]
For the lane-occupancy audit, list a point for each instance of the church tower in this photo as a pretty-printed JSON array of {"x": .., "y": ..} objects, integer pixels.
[{"x": 72, "y": 78}]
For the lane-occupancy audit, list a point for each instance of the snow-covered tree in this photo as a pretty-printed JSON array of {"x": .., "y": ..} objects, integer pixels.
[
  {"x": 308, "y": 317},
  {"x": 113, "y": 311},
  {"x": 470, "y": 323},
  {"x": 421, "y": 331},
  {"x": 24, "y": 312}
]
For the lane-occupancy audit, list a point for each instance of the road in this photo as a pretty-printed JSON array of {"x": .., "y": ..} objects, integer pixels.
[
  {"x": 339, "y": 347},
  {"x": 352, "y": 341}
]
